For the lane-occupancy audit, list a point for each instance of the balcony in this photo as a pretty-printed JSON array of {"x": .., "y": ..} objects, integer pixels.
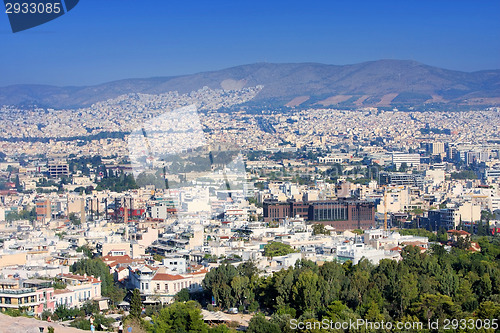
[{"x": 17, "y": 291}]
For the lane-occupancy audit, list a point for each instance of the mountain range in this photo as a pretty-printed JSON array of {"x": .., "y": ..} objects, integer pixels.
[{"x": 381, "y": 83}]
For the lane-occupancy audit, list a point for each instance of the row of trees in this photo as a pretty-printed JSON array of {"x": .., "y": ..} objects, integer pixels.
[{"x": 423, "y": 286}]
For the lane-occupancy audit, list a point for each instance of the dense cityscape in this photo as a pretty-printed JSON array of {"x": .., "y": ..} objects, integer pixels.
[{"x": 249, "y": 218}]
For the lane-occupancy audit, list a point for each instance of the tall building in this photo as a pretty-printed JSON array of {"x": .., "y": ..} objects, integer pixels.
[
  {"x": 437, "y": 148},
  {"x": 57, "y": 169},
  {"x": 43, "y": 210}
]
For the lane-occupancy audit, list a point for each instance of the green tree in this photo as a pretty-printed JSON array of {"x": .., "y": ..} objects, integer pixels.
[
  {"x": 18, "y": 185},
  {"x": 241, "y": 290},
  {"x": 483, "y": 287},
  {"x": 431, "y": 307},
  {"x": 99, "y": 322},
  {"x": 406, "y": 292},
  {"x": 319, "y": 229},
  {"x": 86, "y": 250},
  {"x": 339, "y": 312},
  {"x": 218, "y": 283},
  {"x": 463, "y": 243},
  {"x": 136, "y": 304},
  {"x": 158, "y": 257},
  {"x": 276, "y": 249},
  {"x": 489, "y": 310},
  {"x": 75, "y": 220},
  {"x": 97, "y": 268},
  {"x": 465, "y": 296},
  {"x": 448, "y": 281},
  {"x": 180, "y": 318},
  {"x": 182, "y": 295},
  {"x": 305, "y": 292},
  {"x": 332, "y": 277},
  {"x": 259, "y": 324},
  {"x": 116, "y": 295}
]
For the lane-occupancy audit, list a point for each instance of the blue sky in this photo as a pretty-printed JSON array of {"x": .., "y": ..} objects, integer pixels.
[{"x": 105, "y": 40}]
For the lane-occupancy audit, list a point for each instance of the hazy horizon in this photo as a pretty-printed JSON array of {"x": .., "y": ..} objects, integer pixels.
[{"x": 99, "y": 42}]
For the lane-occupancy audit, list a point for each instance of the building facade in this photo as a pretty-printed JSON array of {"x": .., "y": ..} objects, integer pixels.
[{"x": 340, "y": 214}]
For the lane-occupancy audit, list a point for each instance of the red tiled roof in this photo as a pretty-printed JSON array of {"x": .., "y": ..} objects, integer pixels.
[
  {"x": 474, "y": 247},
  {"x": 459, "y": 232},
  {"x": 167, "y": 277},
  {"x": 124, "y": 258}
]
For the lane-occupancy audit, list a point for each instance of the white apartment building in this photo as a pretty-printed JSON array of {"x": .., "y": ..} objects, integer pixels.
[
  {"x": 79, "y": 289},
  {"x": 356, "y": 252},
  {"x": 157, "y": 286},
  {"x": 411, "y": 160}
]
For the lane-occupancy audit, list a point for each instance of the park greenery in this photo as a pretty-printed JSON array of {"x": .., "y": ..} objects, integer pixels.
[
  {"x": 319, "y": 229},
  {"x": 423, "y": 286},
  {"x": 276, "y": 249},
  {"x": 117, "y": 182},
  {"x": 433, "y": 285},
  {"x": 97, "y": 268},
  {"x": 25, "y": 214}
]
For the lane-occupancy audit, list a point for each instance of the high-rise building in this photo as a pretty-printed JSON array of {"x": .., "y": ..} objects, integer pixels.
[{"x": 437, "y": 148}]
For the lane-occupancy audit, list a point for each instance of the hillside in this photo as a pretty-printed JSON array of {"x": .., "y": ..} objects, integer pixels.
[{"x": 375, "y": 83}]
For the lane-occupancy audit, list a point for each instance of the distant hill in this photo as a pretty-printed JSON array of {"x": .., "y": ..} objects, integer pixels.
[{"x": 400, "y": 83}]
